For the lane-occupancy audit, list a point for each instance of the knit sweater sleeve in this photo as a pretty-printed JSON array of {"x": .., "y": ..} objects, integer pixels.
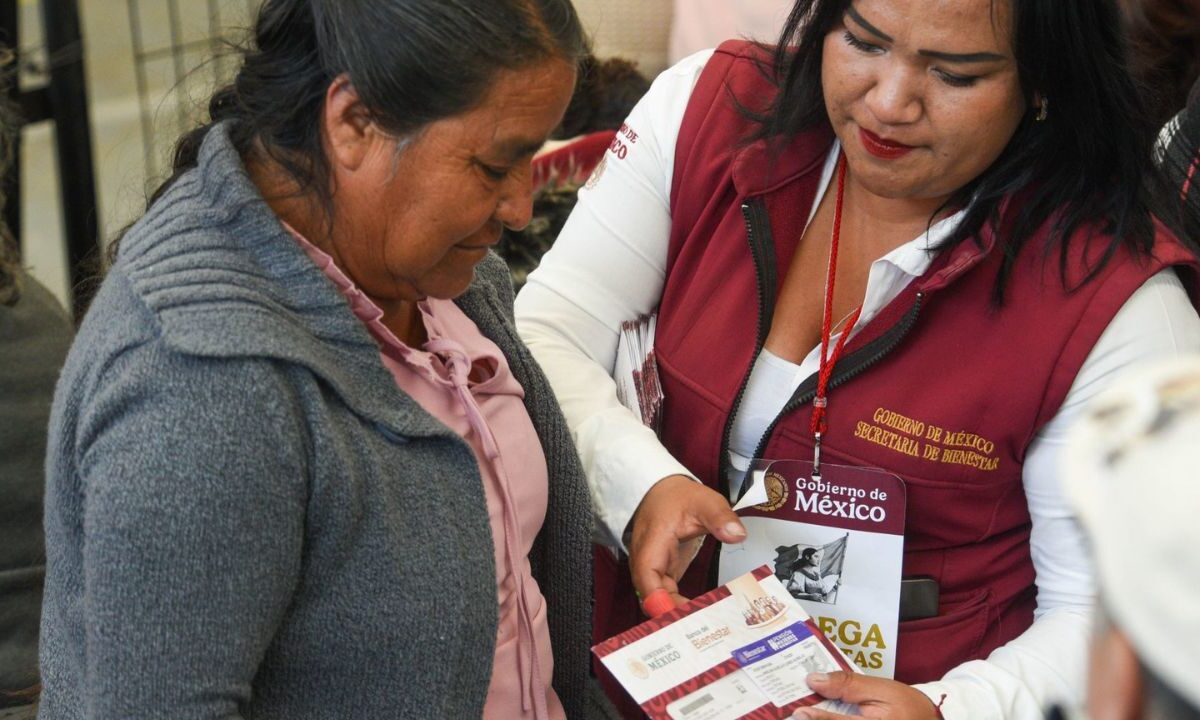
[{"x": 192, "y": 476}]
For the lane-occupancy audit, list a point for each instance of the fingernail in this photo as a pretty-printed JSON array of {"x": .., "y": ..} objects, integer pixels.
[
  {"x": 736, "y": 530},
  {"x": 658, "y": 602},
  {"x": 819, "y": 678},
  {"x": 802, "y": 713}
]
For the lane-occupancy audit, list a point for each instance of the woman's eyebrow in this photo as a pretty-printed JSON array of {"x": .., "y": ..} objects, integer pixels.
[
  {"x": 975, "y": 57},
  {"x": 517, "y": 148},
  {"x": 866, "y": 25},
  {"x": 961, "y": 57}
]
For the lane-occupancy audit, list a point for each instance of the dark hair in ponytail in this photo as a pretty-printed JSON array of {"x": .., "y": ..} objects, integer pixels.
[{"x": 411, "y": 61}]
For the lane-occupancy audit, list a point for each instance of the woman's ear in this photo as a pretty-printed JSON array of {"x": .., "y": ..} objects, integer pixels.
[
  {"x": 1040, "y": 107},
  {"x": 346, "y": 125}
]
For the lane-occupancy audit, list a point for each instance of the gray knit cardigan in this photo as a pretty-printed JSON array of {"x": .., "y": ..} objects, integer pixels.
[{"x": 245, "y": 517}]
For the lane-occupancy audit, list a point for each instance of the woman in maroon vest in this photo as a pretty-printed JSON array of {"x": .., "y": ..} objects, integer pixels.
[{"x": 984, "y": 165}]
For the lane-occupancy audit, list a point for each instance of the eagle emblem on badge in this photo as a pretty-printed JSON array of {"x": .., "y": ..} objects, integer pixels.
[{"x": 777, "y": 493}]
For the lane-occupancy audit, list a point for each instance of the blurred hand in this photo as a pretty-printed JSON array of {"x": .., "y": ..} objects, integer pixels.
[
  {"x": 875, "y": 697},
  {"x": 669, "y": 528}
]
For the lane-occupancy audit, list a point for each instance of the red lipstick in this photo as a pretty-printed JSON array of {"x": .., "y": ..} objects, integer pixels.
[{"x": 880, "y": 148}]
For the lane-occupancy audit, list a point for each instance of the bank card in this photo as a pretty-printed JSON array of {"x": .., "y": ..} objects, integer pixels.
[{"x": 740, "y": 651}]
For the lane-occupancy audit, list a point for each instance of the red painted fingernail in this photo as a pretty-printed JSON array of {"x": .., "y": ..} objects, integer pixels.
[{"x": 658, "y": 603}]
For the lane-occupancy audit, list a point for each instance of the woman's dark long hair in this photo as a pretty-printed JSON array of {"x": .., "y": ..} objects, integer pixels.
[
  {"x": 1165, "y": 41},
  {"x": 1089, "y": 164},
  {"x": 411, "y": 62}
]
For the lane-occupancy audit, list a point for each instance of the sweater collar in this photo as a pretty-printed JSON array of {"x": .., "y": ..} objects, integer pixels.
[{"x": 224, "y": 279}]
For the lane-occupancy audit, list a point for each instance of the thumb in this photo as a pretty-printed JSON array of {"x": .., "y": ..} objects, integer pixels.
[
  {"x": 849, "y": 687},
  {"x": 720, "y": 521}
]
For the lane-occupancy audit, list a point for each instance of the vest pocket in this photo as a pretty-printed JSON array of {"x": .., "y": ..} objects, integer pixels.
[{"x": 928, "y": 648}]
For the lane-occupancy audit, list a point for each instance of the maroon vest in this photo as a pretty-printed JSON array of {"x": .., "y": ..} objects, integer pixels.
[{"x": 940, "y": 369}]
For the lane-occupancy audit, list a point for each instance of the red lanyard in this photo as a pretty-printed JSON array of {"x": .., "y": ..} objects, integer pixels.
[{"x": 828, "y": 362}]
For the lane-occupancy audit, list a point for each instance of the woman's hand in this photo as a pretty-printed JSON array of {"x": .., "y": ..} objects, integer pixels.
[
  {"x": 875, "y": 697},
  {"x": 668, "y": 529}
]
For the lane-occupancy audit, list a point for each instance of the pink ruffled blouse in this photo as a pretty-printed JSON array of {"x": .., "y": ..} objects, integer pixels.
[{"x": 462, "y": 379}]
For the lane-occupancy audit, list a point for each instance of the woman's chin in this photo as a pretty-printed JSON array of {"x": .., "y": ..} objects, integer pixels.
[{"x": 449, "y": 286}]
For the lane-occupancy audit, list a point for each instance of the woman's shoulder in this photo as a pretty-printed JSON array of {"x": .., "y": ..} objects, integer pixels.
[
  {"x": 121, "y": 346},
  {"x": 735, "y": 75},
  {"x": 124, "y": 382},
  {"x": 213, "y": 270},
  {"x": 745, "y": 71},
  {"x": 1092, "y": 254}
]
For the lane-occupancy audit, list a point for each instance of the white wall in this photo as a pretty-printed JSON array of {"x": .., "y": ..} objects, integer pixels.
[{"x": 637, "y": 30}]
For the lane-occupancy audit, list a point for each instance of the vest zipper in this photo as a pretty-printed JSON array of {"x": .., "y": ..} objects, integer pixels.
[
  {"x": 758, "y": 234},
  {"x": 850, "y": 367}
]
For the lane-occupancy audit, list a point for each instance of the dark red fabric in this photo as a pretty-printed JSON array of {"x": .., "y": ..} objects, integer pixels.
[{"x": 986, "y": 375}]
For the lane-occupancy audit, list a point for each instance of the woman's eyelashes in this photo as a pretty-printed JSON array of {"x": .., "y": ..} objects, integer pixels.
[
  {"x": 953, "y": 80},
  {"x": 949, "y": 78},
  {"x": 861, "y": 45},
  {"x": 493, "y": 172}
]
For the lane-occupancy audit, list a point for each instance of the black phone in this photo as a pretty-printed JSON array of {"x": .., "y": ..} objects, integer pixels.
[{"x": 918, "y": 598}]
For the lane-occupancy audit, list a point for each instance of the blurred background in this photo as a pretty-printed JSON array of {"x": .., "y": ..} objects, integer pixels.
[
  {"x": 150, "y": 64},
  {"x": 149, "y": 67}
]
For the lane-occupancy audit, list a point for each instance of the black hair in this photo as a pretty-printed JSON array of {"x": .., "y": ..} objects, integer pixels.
[
  {"x": 411, "y": 62},
  {"x": 1087, "y": 166},
  {"x": 1165, "y": 41},
  {"x": 606, "y": 93}
]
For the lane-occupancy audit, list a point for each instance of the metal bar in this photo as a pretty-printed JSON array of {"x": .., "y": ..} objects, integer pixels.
[
  {"x": 143, "y": 90},
  {"x": 177, "y": 58},
  {"x": 73, "y": 141},
  {"x": 34, "y": 106},
  {"x": 214, "y": 39},
  {"x": 160, "y": 53},
  {"x": 9, "y": 30}
]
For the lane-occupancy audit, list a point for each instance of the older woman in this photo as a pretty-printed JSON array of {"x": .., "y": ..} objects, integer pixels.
[
  {"x": 955, "y": 189},
  {"x": 300, "y": 466}
]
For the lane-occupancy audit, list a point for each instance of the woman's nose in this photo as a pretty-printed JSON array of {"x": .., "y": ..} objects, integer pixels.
[
  {"x": 515, "y": 209},
  {"x": 896, "y": 98}
]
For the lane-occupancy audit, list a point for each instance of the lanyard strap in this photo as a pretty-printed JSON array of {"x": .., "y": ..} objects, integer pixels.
[{"x": 828, "y": 361}]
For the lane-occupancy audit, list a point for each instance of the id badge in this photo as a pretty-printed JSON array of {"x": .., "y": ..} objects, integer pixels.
[{"x": 836, "y": 542}]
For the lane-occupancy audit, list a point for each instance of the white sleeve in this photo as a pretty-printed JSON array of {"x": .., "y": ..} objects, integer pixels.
[
  {"x": 1048, "y": 663},
  {"x": 608, "y": 266}
]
